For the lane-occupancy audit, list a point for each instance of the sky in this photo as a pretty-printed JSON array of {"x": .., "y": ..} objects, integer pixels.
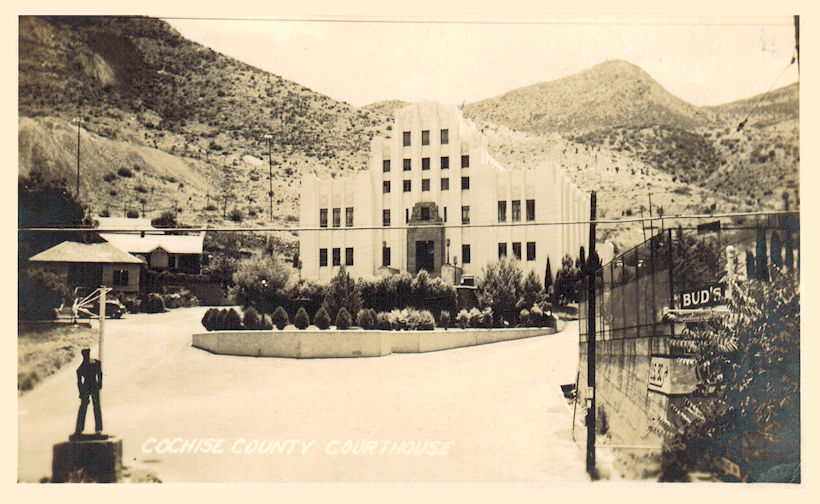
[{"x": 705, "y": 61}]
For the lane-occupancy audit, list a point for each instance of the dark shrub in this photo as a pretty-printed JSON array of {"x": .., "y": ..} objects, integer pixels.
[
  {"x": 132, "y": 214},
  {"x": 251, "y": 319},
  {"x": 236, "y": 215},
  {"x": 463, "y": 319},
  {"x": 343, "y": 319},
  {"x": 537, "y": 317},
  {"x": 486, "y": 320},
  {"x": 166, "y": 220},
  {"x": 383, "y": 321},
  {"x": 261, "y": 281},
  {"x": 153, "y": 304},
  {"x": 39, "y": 293},
  {"x": 322, "y": 319},
  {"x": 109, "y": 177},
  {"x": 301, "y": 320},
  {"x": 365, "y": 319},
  {"x": 232, "y": 320},
  {"x": 125, "y": 172},
  {"x": 209, "y": 318},
  {"x": 524, "y": 317},
  {"x": 422, "y": 321},
  {"x": 343, "y": 291},
  {"x": 444, "y": 319},
  {"x": 280, "y": 318}
]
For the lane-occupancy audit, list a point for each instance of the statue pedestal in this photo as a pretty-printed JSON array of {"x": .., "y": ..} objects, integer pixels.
[{"x": 87, "y": 458}]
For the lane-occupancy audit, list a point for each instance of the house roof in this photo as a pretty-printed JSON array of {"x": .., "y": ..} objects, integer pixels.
[
  {"x": 85, "y": 253},
  {"x": 174, "y": 244},
  {"x": 124, "y": 224}
]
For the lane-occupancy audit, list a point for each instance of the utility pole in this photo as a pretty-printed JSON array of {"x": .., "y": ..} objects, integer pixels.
[
  {"x": 79, "y": 121},
  {"x": 592, "y": 266},
  {"x": 269, "y": 137}
]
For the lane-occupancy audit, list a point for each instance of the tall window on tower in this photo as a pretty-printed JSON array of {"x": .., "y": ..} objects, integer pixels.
[
  {"x": 502, "y": 211},
  {"x": 425, "y": 163},
  {"x": 385, "y": 256},
  {"x": 406, "y": 139},
  {"x": 530, "y": 209},
  {"x": 516, "y": 246},
  {"x": 465, "y": 215},
  {"x": 465, "y": 254},
  {"x": 349, "y": 216},
  {"x": 349, "y": 256},
  {"x": 465, "y": 161},
  {"x": 425, "y": 137},
  {"x": 386, "y": 165},
  {"x": 323, "y": 217},
  {"x": 445, "y": 137},
  {"x": 337, "y": 257},
  {"x": 337, "y": 217},
  {"x": 502, "y": 250},
  {"x": 386, "y": 218},
  {"x": 516, "y": 211},
  {"x": 406, "y": 165}
]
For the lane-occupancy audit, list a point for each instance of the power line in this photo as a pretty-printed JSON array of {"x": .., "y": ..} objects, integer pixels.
[{"x": 407, "y": 226}]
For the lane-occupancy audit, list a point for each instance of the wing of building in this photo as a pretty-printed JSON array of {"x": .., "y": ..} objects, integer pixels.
[{"x": 434, "y": 199}]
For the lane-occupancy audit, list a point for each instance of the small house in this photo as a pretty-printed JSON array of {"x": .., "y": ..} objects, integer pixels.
[
  {"x": 90, "y": 265},
  {"x": 162, "y": 252}
]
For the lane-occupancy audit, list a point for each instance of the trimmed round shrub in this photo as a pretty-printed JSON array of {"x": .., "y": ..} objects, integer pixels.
[
  {"x": 486, "y": 319},
  {"x": 153, "y": 304},
  {"x": 365, "y": 320},
  {"x": 463, "y": 319},
  {"x": 301, "y": 320},
  {"x": 444, "y": 319},
  {"x": 536, "y": 317},
  {"x": 280, "y": 318},
  {"x": 383, "y": 321},
  {"x": 209, "y": 318},
  {"x": 423, "y": 321},
  {"x": 232, "y": 320},
  {"x": 524, "y": 317},
  {"x": 322, "y": 319},
  {"x": 343, "y": 320},
  {"x": 251, "y": 319}
]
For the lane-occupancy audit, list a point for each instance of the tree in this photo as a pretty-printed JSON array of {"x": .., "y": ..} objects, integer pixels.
[
  {"x": 280, "y": 318},
  {"x": 301, "y": 320},
  {"x": 776, "y": 250},
  {"x": 343, "y": 319},
  {"x": 548, "y": 277},
  {"x": 262, "y": 281},
  {"x": 531, "y": 291},
  {"x": 168, "y": 219},
  {"x": 498, "y": 286},
  {"x": 761, "y": 261},
  {"x": 343, "y": 291},
  {"x": 750, "y": 265},
  {"x": 749, "y": 368}
]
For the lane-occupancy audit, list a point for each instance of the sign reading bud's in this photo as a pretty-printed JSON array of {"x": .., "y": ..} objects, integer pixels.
[{"x": 702, "y": 297}]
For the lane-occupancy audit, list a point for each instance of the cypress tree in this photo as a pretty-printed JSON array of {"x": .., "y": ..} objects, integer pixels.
[
  {"x": 777, "y": 250},
  {"x": 789, "y": 246},
  {"x": 548, "y": 277},
  {"x": 761, "y": 259},
  {"x": 750, "y": 265}
]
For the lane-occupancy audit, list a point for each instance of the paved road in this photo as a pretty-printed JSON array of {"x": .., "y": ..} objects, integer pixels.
[{"x": 499, "y": 406}]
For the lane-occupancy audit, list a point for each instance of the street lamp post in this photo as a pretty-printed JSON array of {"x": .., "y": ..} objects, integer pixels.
[{"x": 269, "y": 137}]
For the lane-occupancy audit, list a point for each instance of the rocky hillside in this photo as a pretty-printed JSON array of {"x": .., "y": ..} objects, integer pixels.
[{"x": 139, "y": 86}]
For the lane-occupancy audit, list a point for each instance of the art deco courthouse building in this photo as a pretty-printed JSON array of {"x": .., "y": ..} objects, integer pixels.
[{"x": 434, "y": 196}]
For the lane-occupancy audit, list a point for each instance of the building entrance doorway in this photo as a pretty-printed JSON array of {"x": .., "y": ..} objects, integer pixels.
[{"x": 425, "y": 256}]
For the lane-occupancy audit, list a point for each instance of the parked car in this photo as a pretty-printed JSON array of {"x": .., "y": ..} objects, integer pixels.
[{"x": 113, "y": 308}]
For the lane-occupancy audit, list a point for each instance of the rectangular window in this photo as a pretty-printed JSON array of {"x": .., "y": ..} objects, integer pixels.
[
  {"x": 445, "y": 184},
  {"x": 502, "y": 211},
  {"x": 337, "y": 217},
  {"x": 386, "y": 218},
  {"x": 425, "y": 184},
  {"x": 337, "y": 257},
  {"x": 407, "y": 186},
  {"x": 323, "y": 257},
  {"x": 445, "y": 137},
  {"x": 385, "y": 187},
  {"x": 465, "y": 254},
  {"x": 406, "y": 138},
  {"x": 407, "y": 165},
  {"x": 385, "y": 256},
  {"x": 530, "y": 209},
  {"x": 445, "y": 163},
  {"x": 386, "y": 165},
  {"x": 406, "y": 215},
  {"x": 323, "y": 217},
  {"x": 517, "y": 250},
  {"x": 502, "y": 250},
  {"x": 425, "y": 213},
  {"x": 465, "y": 161},
  {"x": 425, "y": 163},
  {"x": 465, "y": 183},
  {"x": 530, "y": 251},
  {"x": 425, "y": 137},
  {"x": 516, "y": 211},
  {"x": 349, "y": 216},
  {"x": 445, "y": 214},
  {"x": 120, "y": 277},
  {"x": 349, "y": 256},
  {"x": 465, "y": 215}
]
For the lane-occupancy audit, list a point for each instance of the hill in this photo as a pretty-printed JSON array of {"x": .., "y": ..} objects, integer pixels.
[{"x": 136, "y": 82}]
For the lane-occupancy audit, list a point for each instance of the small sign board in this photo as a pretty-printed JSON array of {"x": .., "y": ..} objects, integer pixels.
[
  {"x": 670, "y": 376},
  {"x": 702, "y": 297}
]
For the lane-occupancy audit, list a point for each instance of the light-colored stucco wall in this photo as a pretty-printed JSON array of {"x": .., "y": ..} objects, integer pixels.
[
  {"x": 556, "y": 199},
  {"x": 133, "y": 277}
]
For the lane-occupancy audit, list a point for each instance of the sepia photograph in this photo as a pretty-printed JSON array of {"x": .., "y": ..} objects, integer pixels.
[{"x": 408, "y": 250}]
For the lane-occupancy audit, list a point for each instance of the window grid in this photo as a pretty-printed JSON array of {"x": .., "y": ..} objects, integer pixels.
[
  {"x": 425, "y": 137},
  {"x": 445, "y": 137},
  {"x": 406, "y": 139},
  {"x": 465, "y": 183},
  {"x": 465, "y": 161},
  {"x": 465, "y": 214},
  {"x": 425, "y": 163},
  {"x": 386, "y": 165},
  {"x": 425, "y": 184},
  {"x": 386, "y": 218},
  {"x": 502, "y": 211},
  {"x": 516, "y": 211},
  {"x": 323, "y": 217},
  {"x": 349, "y": 216},
  {"x": 337, "y": 257},
  {"x": 337, "y": 217},
  {"x": 407, "y": 165},
  {"x": 530, "y": 209},
  {"x": 445, "y": 163},
  {"x": 323, "y": 257},
  {"x": 408, "y": 186},
  {"x": 349, "y": 256},
  {"x": 385, "y": 188},
  {"x": 530, "y": 251}
]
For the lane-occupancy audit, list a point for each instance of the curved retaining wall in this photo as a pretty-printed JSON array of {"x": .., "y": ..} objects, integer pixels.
[{"x": 310, "y": 344}]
